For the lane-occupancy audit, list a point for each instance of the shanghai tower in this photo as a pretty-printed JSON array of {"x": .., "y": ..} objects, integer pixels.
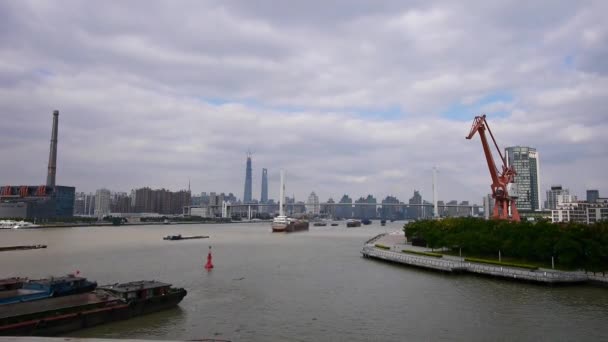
[
  {"x": 247, "y": 195},
  {"x": 264, "y": 195}
]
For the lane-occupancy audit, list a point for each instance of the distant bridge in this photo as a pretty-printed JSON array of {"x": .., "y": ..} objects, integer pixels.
[{"x": 228, "y": 208}]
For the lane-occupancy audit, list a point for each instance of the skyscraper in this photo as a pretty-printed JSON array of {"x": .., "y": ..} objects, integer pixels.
[
  {"x": 556, "y": 190},
  {"x": 264, "y": 195},
  {"x": 593, "y": 195},
  {"x": 312, "y": 205},
  {"x": 247, "y": 194},
  {"x": 525, "y": 162}
]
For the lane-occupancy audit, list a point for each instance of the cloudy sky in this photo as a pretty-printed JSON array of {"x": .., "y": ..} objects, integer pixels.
[{"x": 348, "y": 96}]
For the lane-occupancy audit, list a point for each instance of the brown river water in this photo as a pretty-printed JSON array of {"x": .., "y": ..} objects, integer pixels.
[{"x": 307, "y": 286}]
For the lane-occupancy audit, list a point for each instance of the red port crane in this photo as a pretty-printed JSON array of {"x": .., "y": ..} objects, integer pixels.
[{"x": 503, "y": 188}]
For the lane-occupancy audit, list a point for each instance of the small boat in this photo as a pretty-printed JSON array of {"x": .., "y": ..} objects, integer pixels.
[
  {"x": 353, "y": 223},
  {"x": 383, "y": 222},
  {"x": 319, "y": 224},
  {"x": 180, "y": 237},
  {"x": 366, "y": 221},
  {"x": 334, "y": 224}
]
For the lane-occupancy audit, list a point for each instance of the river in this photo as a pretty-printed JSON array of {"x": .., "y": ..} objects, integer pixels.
[{"x": 308, "y": 286}]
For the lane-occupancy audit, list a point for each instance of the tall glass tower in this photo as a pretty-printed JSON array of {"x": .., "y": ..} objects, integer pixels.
[
  {"x": 525, "y": 161},
  {"x": 247, "y": 194},
  {"x": 264, "y": 195}
]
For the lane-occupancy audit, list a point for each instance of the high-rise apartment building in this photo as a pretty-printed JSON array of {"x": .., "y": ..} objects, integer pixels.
[
  {"x": 552, "y": 196},
  {"x": 346, "y": 209},
  {"x": 593, "y": 195},
  {"x": 415, "y": 212},
  {"x": 488, "y": 206},
  {"x": 312, "y": 205},
  {"x": 247, "y": 193},
  {"x": 525, "y": 162},
  {"x": 102, "y": 202},
  {"x": 264, "y": 194}
]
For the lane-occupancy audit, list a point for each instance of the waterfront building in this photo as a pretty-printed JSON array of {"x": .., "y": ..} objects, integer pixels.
[
  {"x": 161, "y": 201},
  {"x": 415, "y": 212},
  {"x": 488, "y": 206},
  {"x": 345, "y": 210},
  {"x": 464, "y": 210},
  {"x": 312, "y": 205},
  {"x": 570, "y": 210},
  {"x": 247, "y": 193},
  {"x": 120, "y": 203},
  {"x": 204, "y": 198},
  {"x": 390, "y": 212},
  {"x": 452, "y": 208},
  {"x": 365, "y": 211},
  {"x": 552, "y": 195},
  {"x": 593, "y": 196},
  {"x": 443, "y": 210},
  {"x": 328, "y": 209},
  {"x": 525, "y": 162},
  {"x": 102, "y": 202}
]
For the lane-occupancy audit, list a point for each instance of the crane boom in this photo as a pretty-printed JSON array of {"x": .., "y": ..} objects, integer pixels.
[{"x": 501, "y": 180}]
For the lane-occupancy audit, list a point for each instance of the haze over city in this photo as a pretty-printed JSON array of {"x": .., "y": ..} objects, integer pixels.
[{"x": 349, "y": 97}]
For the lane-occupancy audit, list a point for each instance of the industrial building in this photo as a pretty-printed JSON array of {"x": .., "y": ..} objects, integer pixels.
[{"x": 40, "y": 201}]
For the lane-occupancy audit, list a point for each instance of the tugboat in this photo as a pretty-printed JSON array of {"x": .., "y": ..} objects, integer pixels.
[
  {"x": 146, "y": 296},
  {"x": 353, "y": 223}
]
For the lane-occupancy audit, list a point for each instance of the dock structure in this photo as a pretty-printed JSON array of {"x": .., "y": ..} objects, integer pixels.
[{"x": 459, "y": 265}]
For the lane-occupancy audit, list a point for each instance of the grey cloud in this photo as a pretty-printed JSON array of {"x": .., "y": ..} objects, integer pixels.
[{"x": 136, "y": 82}]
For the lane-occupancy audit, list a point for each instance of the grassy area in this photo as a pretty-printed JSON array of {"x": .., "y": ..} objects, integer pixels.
[
  {"x": 501, "y": 263},
  {"x": 434, "y": 255},
  {"x": 382, "y": 246}
]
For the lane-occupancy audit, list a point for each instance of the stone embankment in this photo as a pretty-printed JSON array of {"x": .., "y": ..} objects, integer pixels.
[{"x": 396, "y": 244}]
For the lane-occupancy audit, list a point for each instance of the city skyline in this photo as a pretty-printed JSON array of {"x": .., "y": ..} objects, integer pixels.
[{"x": 337, "y": 104}]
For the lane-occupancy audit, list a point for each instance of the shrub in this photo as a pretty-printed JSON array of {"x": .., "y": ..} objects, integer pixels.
[
  {"x": 502, "y": 263},
  {"x": 434, "y": 255}
]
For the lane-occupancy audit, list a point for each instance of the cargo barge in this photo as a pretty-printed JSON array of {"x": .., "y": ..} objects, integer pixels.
[
  {"x": 180, "y": 237},
  {"x": 284, "y": 224},
  {"x": 353, "y": 223},
  {"x": 21, "y": 290},
  {"x": 21, "y": 248},
  {"x": 55, "y": 316}
]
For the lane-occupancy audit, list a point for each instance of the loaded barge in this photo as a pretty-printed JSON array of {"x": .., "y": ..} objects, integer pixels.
[
  {"x": 180, "y": 237},
  {"x": 54, "y": 316},
  {"x": 17, "y": 290}
]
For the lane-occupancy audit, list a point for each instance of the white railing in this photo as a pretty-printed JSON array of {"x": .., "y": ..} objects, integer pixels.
[{"x": 499, "y": 271}]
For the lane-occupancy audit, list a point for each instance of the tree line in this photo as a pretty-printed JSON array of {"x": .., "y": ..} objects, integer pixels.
[{"x": 573, "y": 245}]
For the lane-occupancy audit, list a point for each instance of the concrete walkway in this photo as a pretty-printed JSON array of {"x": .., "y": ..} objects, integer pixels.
[{"x": 396, "y": 242}]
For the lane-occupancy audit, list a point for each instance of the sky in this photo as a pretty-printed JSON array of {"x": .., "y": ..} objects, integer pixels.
[{"x": 348, "y": 96}]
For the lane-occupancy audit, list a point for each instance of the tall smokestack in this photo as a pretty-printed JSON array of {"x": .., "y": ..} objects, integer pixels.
[{"x": 50, "y": 178}]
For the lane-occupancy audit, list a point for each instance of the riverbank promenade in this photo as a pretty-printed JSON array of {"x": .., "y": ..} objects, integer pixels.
[{"x": 393, "y": 247}]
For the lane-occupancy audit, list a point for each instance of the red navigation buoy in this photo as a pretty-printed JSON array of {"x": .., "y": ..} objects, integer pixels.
[{"x": 209, "y": 264}]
